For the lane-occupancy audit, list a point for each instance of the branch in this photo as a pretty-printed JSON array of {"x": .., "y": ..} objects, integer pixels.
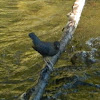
[{"x": 36, "y": 92}]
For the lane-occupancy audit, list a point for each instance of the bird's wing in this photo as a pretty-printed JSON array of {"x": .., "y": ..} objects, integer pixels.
[
  {"x": 45, "y": 48},
  {"x": 42, "y": 48}
]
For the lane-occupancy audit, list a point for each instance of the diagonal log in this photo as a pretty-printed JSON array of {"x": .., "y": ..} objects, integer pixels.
[{"x": 36, "y": 92}]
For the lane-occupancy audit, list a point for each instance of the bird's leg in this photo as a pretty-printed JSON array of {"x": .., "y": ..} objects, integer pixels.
[{"x": 48, "y": 64}]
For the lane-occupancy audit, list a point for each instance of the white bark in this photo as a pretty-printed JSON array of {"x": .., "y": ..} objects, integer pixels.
[{"x": 74, "y": 16}]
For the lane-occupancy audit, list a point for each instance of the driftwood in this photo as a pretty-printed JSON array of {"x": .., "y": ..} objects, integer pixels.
[{"x": 36, "y": 92}]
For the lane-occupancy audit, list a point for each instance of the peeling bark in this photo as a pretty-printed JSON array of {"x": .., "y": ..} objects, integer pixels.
[{"x": 36, "y": 92}]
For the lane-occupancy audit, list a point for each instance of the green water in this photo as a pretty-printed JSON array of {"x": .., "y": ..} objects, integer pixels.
[{"x": 20, "y": 65}]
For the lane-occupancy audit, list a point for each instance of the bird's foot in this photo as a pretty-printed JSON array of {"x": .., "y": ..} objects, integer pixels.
[
  {"x": 50, "y": 67},
  {"x": 49, "y": 64}
]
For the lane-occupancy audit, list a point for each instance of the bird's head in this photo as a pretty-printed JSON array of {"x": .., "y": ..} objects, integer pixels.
[{"x": 57, "y": 45}]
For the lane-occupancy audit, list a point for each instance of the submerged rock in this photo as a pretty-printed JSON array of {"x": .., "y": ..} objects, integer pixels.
[
  {"x": 84, "y": 58},
  {"x": 94, "y": 43},
  {"x": 87, "y": 58}
]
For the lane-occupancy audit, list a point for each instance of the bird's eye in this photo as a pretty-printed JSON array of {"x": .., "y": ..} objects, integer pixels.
[{"x": 57, "y": 45}]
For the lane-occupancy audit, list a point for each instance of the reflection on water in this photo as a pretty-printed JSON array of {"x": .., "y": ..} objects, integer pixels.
[{"x": 19, "y": 64}]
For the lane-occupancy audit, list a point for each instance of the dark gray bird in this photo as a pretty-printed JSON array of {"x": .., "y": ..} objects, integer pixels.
[{"x": 46, "y": 49}]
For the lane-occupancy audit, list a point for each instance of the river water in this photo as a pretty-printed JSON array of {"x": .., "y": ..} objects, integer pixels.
[{"x": 20, "y": 65}]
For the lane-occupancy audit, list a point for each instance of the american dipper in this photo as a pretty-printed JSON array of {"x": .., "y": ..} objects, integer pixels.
[{"x": 46, "y": 49}]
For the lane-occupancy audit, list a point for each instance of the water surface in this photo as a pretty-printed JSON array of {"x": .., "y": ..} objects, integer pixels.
[{"x": 20, "y": 65}]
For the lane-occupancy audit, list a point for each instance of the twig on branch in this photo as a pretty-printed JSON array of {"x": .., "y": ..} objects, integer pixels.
[{"x": 36, "y": 92}]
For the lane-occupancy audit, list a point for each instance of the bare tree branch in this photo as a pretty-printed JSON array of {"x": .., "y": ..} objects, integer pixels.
[{"x": 36, "y": 92}]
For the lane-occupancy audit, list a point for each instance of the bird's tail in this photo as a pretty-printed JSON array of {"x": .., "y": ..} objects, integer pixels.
[
  {"x": 34, "y": 38},
  {"x": 32, "y": 35}
]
